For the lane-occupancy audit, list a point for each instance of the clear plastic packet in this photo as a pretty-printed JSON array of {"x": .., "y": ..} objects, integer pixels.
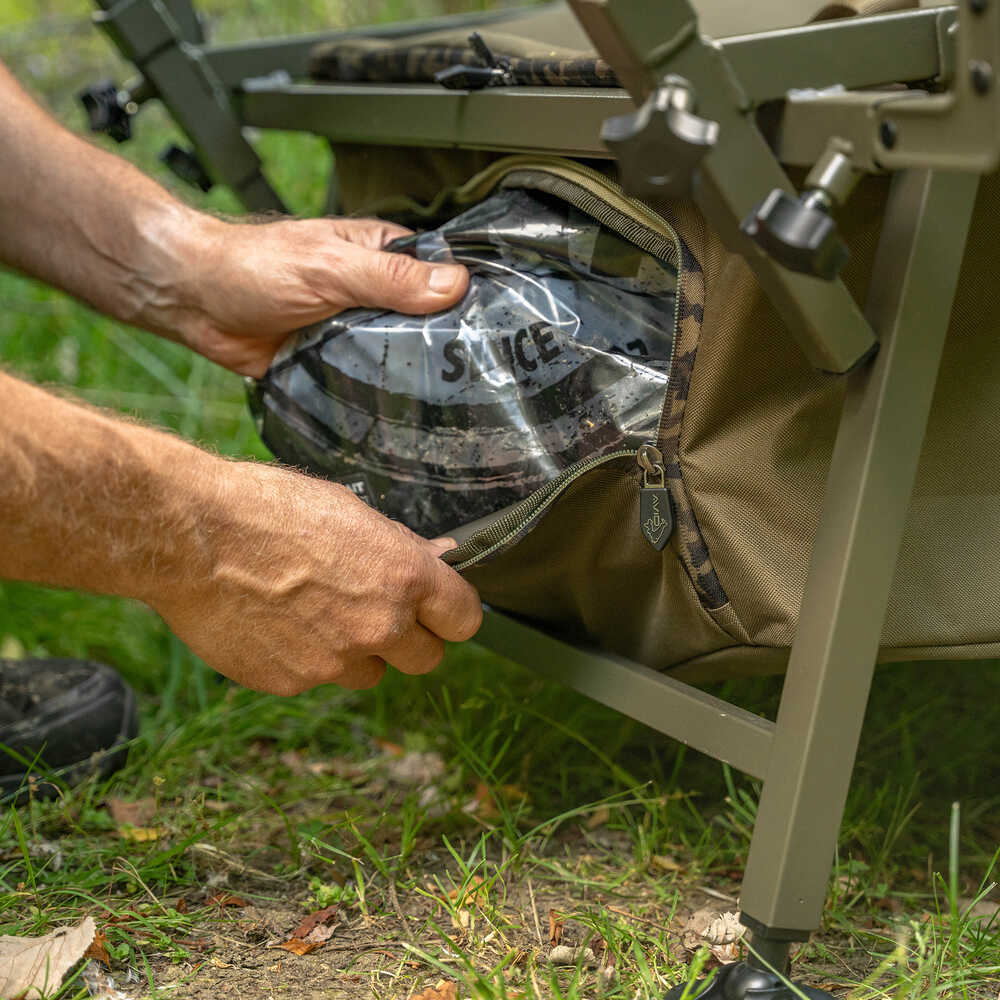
[{"x": 559, "y": 352}]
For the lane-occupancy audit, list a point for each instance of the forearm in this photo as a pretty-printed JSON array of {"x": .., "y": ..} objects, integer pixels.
[
  {"x": 88, "y": 222},
  {"x": 99, "y": 504}
]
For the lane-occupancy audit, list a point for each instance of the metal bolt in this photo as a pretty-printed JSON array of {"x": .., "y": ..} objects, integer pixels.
[
  {"x": 888, "y": 133},
  {"x": 977, "y": 6},
  {"x": 981, "y": 74}
]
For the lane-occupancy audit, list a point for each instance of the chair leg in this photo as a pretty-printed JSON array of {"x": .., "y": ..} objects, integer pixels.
[{"x": 854, "y": 555}]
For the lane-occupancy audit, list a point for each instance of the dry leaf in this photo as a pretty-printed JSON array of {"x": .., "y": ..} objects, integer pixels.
[
  {"x": 467, "y": 895},
  {"x": 564, "y": 955},
  {"x": 320, "y": 934},
  {"x": 317, "y": 927},
  {"x": 721, "y": 932},
  {"x": 667, "y": 862},
  {"x": 225, "y": 899},
  {"x": 444, "y": 990},
  {"x": 299, "y": 947},
  {"x": 31, "y": 966},
  {"x": 292, "y": 759},
  {"x": 100, "y": 984},
  {"x": 137, "y": 813},
  {"x": 140, "y": 834},
  {"x": 415, "y": 769},
  {"x": 98, "y": 950},
  {"x": 555, "y": 928}
]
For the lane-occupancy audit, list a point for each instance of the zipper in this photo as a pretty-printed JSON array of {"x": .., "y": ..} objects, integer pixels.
[
  {"x": 656, "y": 520},
  {"x": 656, "y": 517},
  {"x": 509, "y": 527},
  {"x": 604, "y": 200}
]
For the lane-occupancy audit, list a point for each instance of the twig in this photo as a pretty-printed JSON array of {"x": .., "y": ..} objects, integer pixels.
[
  {"x": 632, "y": 916},
  {"x": 715, "y": 894},
  {"x": 534, "y": 912},
  {"x": 129, "y": 867},
  {"x": 394, "y": 900}
]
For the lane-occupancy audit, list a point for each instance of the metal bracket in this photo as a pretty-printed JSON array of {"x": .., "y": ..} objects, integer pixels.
[
  {"x": 645, "y": 42},
  {"x": 146, "y": 33},
  {"x": 903, "y": 128}
]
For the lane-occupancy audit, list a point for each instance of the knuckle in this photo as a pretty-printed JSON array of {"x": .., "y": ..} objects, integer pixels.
[
  {"x": 387, "y": 629},
  {"x": 398, "y": 268}
]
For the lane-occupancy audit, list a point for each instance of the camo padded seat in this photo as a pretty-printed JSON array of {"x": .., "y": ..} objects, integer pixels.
[
  {"x": 546, "y": 47},
  {"x": 375, "y": 61}
]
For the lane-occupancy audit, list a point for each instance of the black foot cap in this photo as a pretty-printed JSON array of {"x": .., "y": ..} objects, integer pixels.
[{"x": 743, "y": 982}]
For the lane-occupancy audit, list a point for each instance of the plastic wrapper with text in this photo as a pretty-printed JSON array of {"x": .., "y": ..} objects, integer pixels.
[{"x": 559, "y": 352}]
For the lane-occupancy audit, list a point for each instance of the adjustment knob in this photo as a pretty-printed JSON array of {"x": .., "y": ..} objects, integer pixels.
[
  {"x": 799, "y": 233},
  {"x": 659, "y": 146},
  {"x": 109, "y": 110}
]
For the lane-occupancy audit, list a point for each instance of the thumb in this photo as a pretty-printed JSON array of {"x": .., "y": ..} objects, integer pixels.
[{"x": 396, "y": 281}]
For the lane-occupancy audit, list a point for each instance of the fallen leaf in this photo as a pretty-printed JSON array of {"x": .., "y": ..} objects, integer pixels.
[
  {"x": 555, "y": 928},
  {"x": 46, "y": 849},
  {"x": 392, "y": 749},
  {"x": 469, "y": 893},
  {"x": 316, "y": 918},
  {"x": 292, "y": 759},
  {"x": 36, "y": 965},
  {"x": 415, "y": 769},
  {"x": 299, "y": 947},
  {"x": 140, "y": 834},
  {"x": 482, "y": 803},
  {"x": 667, "y": 862},
  {"x": 721, "y": 932},
  {"x": 137, "y": 813},
  {"x": 444, "y": 990},
  {"x": 225, "y": 899},
  {"x": 98, "y": 950},
  {"x": 564, "y": 955},
  {"x": 100, "y": 984}
]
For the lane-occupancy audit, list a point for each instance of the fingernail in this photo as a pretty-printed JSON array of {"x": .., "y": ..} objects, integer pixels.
[
  {"x": 444, "y": 544},
  {"x": 444, "y": 279}
]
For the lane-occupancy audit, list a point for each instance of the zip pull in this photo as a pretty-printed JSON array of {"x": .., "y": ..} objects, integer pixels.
[{"x": 656, "y": 517}]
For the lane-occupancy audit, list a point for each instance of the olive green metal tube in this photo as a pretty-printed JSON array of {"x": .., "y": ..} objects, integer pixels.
[{"x": 854, "y": 554}]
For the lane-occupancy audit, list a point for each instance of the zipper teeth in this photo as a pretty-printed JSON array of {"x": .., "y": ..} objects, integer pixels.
[
  {"x": 636, "y": 232},
  {"x": 646, "y": 237},
  {"x": 528, "y": 509}
]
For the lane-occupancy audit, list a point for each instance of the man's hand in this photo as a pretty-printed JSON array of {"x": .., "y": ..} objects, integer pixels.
[
  {"x": 310, "y": 586},
  {"x": 249, "y": 285},
  {"x": 93, "y": 225},
  {"x": 277, "y": 580}
]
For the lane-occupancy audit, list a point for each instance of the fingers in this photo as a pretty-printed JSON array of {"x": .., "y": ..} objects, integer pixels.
[
  {"x": 370, "y": 233},
  {"x": 442, "y": 545},
  {"x": 395, "y": 281},
  {"x": 452, "y": 608},
  {"x": 418, "y": 652},
  {"x": 362, "y": 674}
]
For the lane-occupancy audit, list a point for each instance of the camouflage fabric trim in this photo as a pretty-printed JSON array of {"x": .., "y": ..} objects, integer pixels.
[
  {"x": 690, "y": 315},
  {"x": 347, "y": 63}
]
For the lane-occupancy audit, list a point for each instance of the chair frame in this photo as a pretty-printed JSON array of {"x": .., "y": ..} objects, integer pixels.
[{"x": 806, "y": 755}]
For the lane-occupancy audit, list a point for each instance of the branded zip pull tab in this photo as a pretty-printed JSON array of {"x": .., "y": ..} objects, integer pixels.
[{"x": 656, "y": 517}]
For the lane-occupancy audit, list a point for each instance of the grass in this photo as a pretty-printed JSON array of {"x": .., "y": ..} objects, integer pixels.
[{"x": 534, "y": 800}]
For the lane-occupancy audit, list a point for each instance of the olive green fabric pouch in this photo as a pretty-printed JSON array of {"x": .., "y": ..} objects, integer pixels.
[{"x": 746, "y": 436}]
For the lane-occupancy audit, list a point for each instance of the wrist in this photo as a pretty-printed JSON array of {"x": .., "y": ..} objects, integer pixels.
[{"x": 177, "y": 246}]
